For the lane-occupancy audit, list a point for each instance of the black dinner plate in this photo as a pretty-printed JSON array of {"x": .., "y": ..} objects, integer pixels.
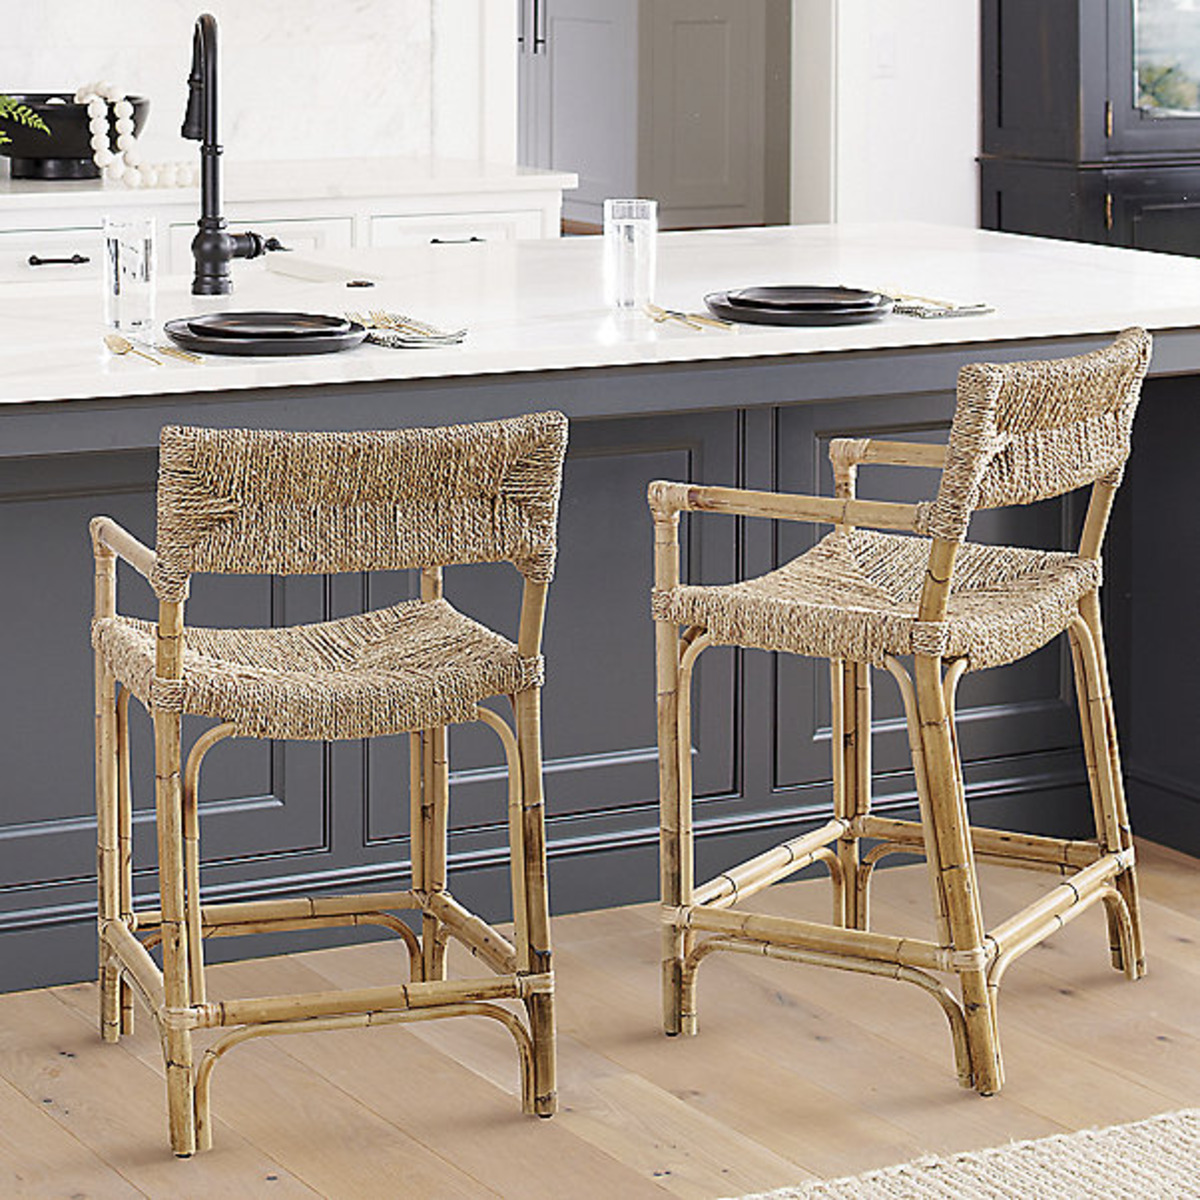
[
  {"x": 327, "y": 342},
  {"x": 804, "y": 298},
  {"x": 267, "y": 325},
  {"x": 720, "y": 306}
]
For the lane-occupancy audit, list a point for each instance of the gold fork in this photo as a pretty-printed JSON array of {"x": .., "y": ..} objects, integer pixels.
[{"x": 120, "y": 345}]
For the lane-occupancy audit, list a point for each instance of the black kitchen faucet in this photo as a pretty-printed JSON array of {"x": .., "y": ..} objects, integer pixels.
[{"x": 213, "y": 247}]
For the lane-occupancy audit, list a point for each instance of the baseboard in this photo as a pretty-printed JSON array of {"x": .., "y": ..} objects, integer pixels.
[{"x": 1165, "y": 811}]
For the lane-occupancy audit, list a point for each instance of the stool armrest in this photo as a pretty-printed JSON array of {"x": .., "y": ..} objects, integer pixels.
[
  {"x": 667, "y": 498},
  {"x": 847, "y": 454},
  {"x": 109, "y": 538},
  {"x": 850, "y": 452}
]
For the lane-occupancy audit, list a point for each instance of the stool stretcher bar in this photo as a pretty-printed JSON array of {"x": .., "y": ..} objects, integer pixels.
[
  {"x": 992, "y": 843},
  {"x": 810, "y": 935},
  {"x": 772, "y": 865}
]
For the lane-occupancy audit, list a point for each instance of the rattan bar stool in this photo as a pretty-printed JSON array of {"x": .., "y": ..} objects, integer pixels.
[
  {"x": 237, "y": 501},
  {"x": 1021, "y": 432}
]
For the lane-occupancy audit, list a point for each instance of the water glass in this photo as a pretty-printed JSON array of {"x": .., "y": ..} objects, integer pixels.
[
  {"x": 129, "y": 275},
  {"x": 630, "y": 252}
]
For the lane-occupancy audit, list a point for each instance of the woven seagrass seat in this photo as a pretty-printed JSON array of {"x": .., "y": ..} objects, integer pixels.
[
  {"x": 854, "y": 596},
  {"x": 1022, "y": 432},
  {"x": 273, "y": 503},
  {"x": 414, "y": 666}
]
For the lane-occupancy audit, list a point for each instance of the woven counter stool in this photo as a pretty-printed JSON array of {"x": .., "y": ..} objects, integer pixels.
[
  {"x": 1021, "y": 432},
  {"x": 237, "y": 501}
]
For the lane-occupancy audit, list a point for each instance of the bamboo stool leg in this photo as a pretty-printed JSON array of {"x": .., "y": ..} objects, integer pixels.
[
  {"x": 125, "y": 842},
  {"x": 516, "y": 836},
  {"x": 843, "y": 783},
  {"x": 104, "y": 602},
  {"x": 671, "y": 851},
  {"x": 687, "y": 857},
  {"x": 1110, "y": 776},
  {"x": 435, "y": 802},
  {"x": 540, "y": 1005},
  {"x": 951, "y": 829},
  {"x": 851, "y": 735},
  {"x": 177, "y": 1043},
  {"x": 1083, "y": 695},
  {"x": 435, "y": 810},
  {"x": 107, "y": 848},
  {"x": 932, "y": 852},
  {"x": 861, "y": 709},
  {"x": 416, "y": 829},
  {"x": 674, "y": 855}
]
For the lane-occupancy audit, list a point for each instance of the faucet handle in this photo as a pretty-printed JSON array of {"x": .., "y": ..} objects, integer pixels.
[
  {"x": 193, "y": 117},
  {"x": 254, "y": 245}
]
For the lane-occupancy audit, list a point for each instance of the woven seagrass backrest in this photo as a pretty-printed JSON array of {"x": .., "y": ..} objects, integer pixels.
[
  {"x": 1031, "y": 430},
  {"x": 265, "y": 502}
]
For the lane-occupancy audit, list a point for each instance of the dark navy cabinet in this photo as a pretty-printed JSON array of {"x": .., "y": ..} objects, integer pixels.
[{"x": 1081, "y": 138}]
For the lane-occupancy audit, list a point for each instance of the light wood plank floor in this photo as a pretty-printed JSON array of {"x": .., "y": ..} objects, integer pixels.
[{"x": 796, "y": 1073}]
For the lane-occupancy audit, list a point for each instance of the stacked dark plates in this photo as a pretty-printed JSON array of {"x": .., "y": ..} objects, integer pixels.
[
  {"x": 265, "y": 333},
  {"x": 796, "y": 304}
]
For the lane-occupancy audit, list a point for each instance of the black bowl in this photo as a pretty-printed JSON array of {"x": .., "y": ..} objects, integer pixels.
[{"x": 66, "y": 151}]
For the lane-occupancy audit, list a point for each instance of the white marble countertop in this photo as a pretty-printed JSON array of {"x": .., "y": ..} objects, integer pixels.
[
  {"x": 536, "y": 306},
  {"x": 319, "y": 179}
]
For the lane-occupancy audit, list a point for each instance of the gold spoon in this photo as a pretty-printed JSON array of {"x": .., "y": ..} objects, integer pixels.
[{"x": 120, "y": 345}]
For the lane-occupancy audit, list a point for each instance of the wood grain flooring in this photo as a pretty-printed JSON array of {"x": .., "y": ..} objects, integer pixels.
[{"x": 796, "y": 1073}]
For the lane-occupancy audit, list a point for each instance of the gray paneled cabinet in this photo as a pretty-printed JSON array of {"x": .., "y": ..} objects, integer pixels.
[
  {"x": 678, "y": 100},
  {"x": 290, "y": 818}
]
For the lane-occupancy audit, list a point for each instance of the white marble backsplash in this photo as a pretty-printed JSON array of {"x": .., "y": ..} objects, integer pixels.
[{"x": 300, "y": 78}]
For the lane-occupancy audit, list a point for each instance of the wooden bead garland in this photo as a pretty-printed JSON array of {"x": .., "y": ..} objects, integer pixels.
[{"x": 125, "y": 165}]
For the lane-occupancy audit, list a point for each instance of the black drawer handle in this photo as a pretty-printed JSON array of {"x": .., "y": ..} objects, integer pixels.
[
  {"x": 36, "y": 260},
  {"x": 455, "y": 241}
]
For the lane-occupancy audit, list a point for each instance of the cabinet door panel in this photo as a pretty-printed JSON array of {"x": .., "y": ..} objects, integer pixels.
[
  {"x": 260, "y": 802},
  {"x": 598, "y": 702},
  {"x": 1030, "y": 82},
  {"x": 1157, "y": 209},
  {"x": 704, "y": 133}
]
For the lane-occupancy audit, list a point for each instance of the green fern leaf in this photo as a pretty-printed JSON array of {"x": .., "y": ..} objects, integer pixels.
[{"x": 22, "y": 114}]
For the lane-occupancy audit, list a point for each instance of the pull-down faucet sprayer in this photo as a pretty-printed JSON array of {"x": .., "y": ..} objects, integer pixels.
[{"x": 213, "y": 246}]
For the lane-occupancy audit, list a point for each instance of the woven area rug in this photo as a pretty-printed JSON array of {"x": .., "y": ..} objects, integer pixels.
[{"x": 1157, "y": 1159}]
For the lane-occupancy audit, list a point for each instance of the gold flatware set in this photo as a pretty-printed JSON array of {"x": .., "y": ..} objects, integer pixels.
[
  {"x": 691, "y": 319},
  {"x": 400, "y": 331},
  {"x": 122, "y": 345}
]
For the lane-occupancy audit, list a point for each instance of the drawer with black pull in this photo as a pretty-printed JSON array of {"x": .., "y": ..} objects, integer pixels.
[
  {"x": 454, "y": 228},
  {"x": 33, "y": 254}
]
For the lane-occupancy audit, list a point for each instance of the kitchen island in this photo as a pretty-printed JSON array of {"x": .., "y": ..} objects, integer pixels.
[{"x": 753, "y": 407}]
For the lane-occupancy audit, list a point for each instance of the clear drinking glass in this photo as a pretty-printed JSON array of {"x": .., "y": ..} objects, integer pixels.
[
  {"x": 129, "y": 274},
  {"x": 630, "y": 252}
]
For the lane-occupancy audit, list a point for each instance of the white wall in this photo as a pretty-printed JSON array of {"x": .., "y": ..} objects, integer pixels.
[
  {"x": 300, "y": 78},
  {"x": 892, "y": 130}
]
